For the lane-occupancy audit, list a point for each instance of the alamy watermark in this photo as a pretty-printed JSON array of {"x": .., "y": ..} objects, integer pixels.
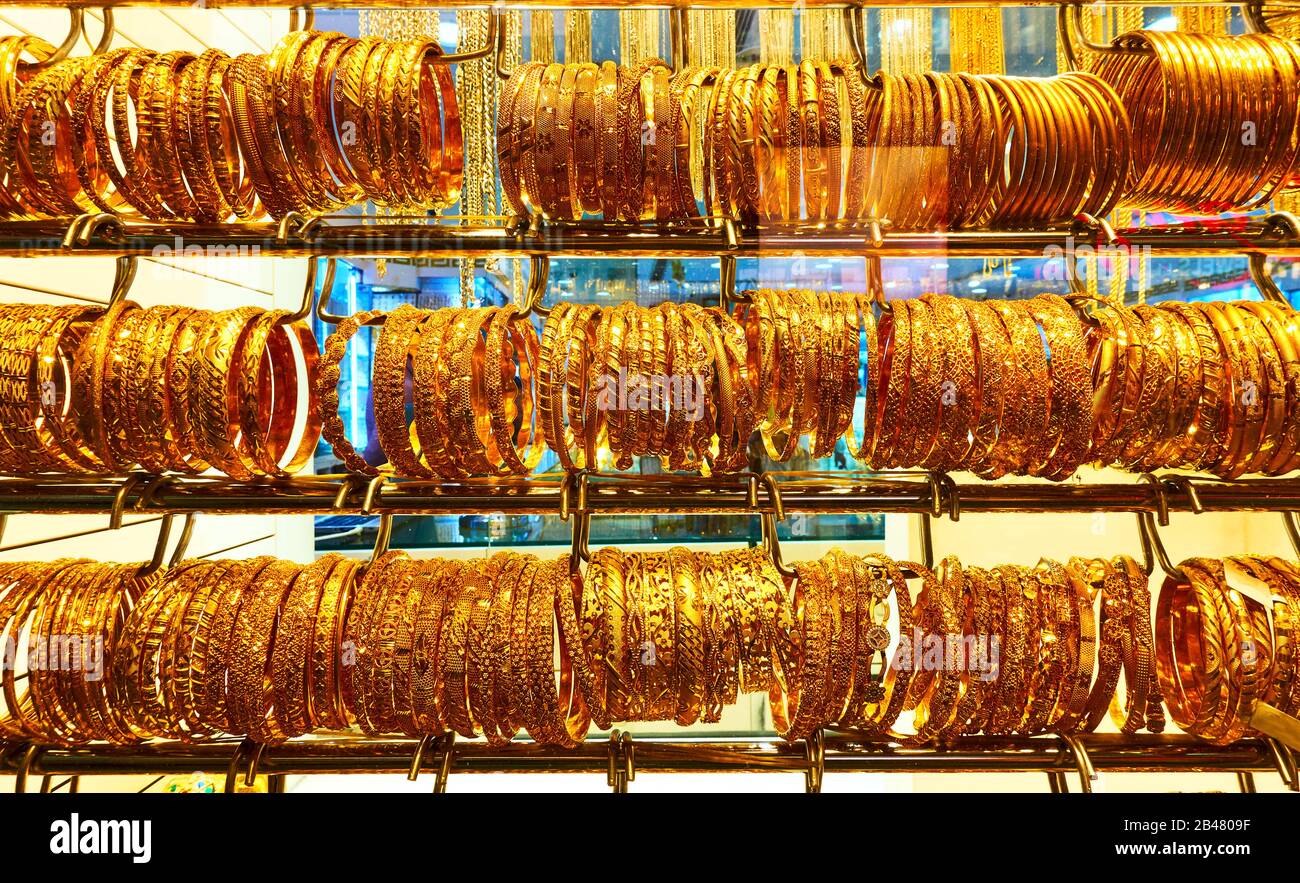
[
  {"x": 974, "y": 654},
  {"x": 80, "y": 654},
  {"x": 652, "y": 392},
  {"x": 1110, "y": 258},
  {"x": 219, "y": 260}
]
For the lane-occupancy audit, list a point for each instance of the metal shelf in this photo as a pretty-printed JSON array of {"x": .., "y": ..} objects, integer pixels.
[
  {"x": 841, "y": 752},
  {"x": 444, "y": 238},
  {"x": 743, "y": 494},
  {"x": 602, "y": 4}
]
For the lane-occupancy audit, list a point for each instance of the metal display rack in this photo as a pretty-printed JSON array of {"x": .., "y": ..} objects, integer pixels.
[
  {"x": 621, "y": 757},
  {"x": 769, "y": 495}
]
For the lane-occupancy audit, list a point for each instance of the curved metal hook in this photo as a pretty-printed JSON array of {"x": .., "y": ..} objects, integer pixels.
[
  {"x": 129, "y": 484},
  {"x": 250, "y": 777},
  {"x": 579, "y": 553},
  {"x": 105, "y": 38},
  {"x": 855, "y": 28},
  {"x": 566, "y": 495},
  {"x": 679, "y": 38},
  {"x": 768, "y": 480},
  {"x": 622, "y": 761},
  {"x": 298, "y": 225},
  {"x": 417, "y": 759},
  {"x": 927, "y": 541},
  {"x": 1292, "y": 521},
  {"x": 350, "y": 483},
  {"x": 1153, "y": 550},
  {"x": 945, "y": 496},
  {"x": 727, "y": 283},
  {"x": 373, "y": 488},
  {"x": 308, "y": 19},
  {"x": 1097, "y": 229},
  {"x": 1257, "y": 262},
  {"x": 1069, "y": 30},
  {"x": 767, "y": 522},
  {"x": 155, "y": 563},
  {"x": 815, "y": 751},
  {"x": 772, "y": 545},
  {"x": 247, "y": 746},
  {"x": 503, "y": 37},
  {"x": 123, "y": 278},
  {"x": 1186, "y": 484},
  {"x": 448, "y": 748},
  {"x": 25, "y": 768},
  {"x": 489, "y": 43},
  {"x": 76, "y": 27},
  {"x": 309, "y": 298},
  {"x": 84, "y": 227},
  {"x": 1082, "y": 762},
  {"x": 1253, "y": 13},
  {"x": 1285, "y": 763},
  {"x": 326, "y": 290},
  {"x": 383, "y": 539},
  {"x": 539, "y": 280}
]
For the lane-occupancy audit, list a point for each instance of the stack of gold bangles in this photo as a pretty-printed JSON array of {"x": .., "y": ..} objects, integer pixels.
[
  {"x": 1031, "y": 387},
  {"x": 472, "y": 397},
  {"x": 678, "y": 635},
  {"x": 670, "y": 381},
  {"x": 490, "y": 647},
  {"x": 1216, "y": 117},
  {"x": 37, "y": 347},
  {"x": 1213, "y": 386},
  {"x": 164, "y": 389},
  {"x": 67, "y": 619},
  {"x": 322, "y": 122},
  {"x": 15, "y": 72},
  {"x": 1225, "y": 639},
  {"x": 993, "y": 387},
  {"x": 487, "y": 395},
  {"x": 1023, "y": 650},
  {"x": 814, "y": 141}
]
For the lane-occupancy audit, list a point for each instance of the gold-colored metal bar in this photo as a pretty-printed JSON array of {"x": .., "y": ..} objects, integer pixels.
[
  {"x": 843, "y": 754},
  {"x": 614, "y": 495},
  {"x": 435, "y": 239},
  {"x": 607, "y": 4}
]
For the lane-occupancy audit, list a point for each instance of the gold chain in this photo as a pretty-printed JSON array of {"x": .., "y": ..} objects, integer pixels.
[
  {"x": 638, "y": 35},
  {"x": 821, "y": 35},
  {"x": 577, "y": 36},
  {"x": 905, "y": 36},
  {"x": 541, "y": 41},
  {"x": 776, "y": 36},
  {"x": 976, "y": 40},
  {"x": 1202, "y": 19},
  {"x": 713, "y": 37}
]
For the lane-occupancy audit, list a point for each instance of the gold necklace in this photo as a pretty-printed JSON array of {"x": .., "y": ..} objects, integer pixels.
[
  {"x": 905, "y": 36},
  {"x": 776, "y": 36},
  {"x": 577, "y": 36},
  {"x": 976, "y": 39},
  {"x": 1202, "y": 19},
  {"x": 638, "y": 35},
  {"x": 541, "y": 40}
]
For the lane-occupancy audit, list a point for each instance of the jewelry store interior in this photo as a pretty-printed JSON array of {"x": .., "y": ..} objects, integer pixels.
[{"x": 681, "y": 397}]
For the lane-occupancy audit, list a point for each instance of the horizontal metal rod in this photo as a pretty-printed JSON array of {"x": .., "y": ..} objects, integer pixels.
[
  {"x": 315, "y": 496},
  {"x": 590, "y": 240},
  {"x": 1108, "y": 752},
  {"x": 607, "y": 4}
]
